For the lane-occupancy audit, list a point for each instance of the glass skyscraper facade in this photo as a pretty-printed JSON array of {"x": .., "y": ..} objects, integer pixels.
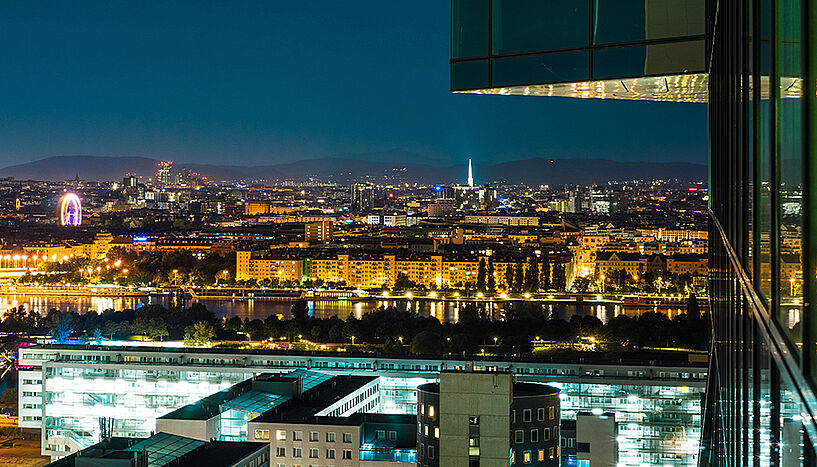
[
  {"x": 753, "y": 62},
  {"x": 760, "y": 407}
]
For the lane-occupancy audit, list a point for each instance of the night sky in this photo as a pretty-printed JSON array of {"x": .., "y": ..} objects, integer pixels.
[{"x": 260, "y": 82}]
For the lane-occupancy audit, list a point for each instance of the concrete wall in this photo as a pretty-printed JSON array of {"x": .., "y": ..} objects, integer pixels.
[
  {"x": 203, "y": 430},
  {"x": 486, "y": 395},
  {"x": 599, "y": 431}
]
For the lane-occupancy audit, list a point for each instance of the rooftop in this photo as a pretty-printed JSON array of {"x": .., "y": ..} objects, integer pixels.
[
  {"x": 303, "y": 409},
  {"x": 163, "y": 449}
]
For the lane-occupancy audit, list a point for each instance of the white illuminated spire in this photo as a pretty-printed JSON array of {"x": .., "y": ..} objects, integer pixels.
[{"x": 470, "y": 174}]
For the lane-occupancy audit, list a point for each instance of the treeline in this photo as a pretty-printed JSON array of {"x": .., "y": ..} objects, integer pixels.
[
  {"x": 387, "y": 329},
  {"x": 131, "y": 268},
  {"x": 531, "y": 275},
  {"x": 148, "y": 322}
]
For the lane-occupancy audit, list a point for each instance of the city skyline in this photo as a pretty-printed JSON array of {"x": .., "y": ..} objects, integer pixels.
[{"x": 253, "y": 85}]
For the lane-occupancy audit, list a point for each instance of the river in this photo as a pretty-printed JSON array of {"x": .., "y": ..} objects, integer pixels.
[{"x": 444, "y": 310}]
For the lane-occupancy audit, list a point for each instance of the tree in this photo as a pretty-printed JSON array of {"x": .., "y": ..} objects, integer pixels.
[
  {"x": 481, "y": 274},
  {"x": 559, "y": 279},
  {"x": 509, "y": 275},
  {"x": 300, "y": 311},
  {"x": 199, "y": 334},
  {"x": 544, "y": 276},
  {"x": 61, "y": 328},
  {"x": 9, "y": 398},
  {"x": 581, "y": 284},
  {"x": 402, "y": 282},
  {"x": 157, "y": 329},
  {"x": 141, "y": 327},
  {"x": 491, "y": 276},
  {"x": 426, "y": 342},
  {"x": 532, "y": 275},
  {"x": 519, "y": 278},
  {"x": 693, "y": 311}
]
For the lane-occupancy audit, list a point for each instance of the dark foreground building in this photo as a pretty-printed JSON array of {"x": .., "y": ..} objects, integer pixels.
[
  {"x": 753, "y": 62},
  {"x": 480, "y": 419}
]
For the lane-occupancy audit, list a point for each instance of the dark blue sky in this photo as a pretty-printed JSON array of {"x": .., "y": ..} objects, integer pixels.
[{"x": 253, "y": 82}]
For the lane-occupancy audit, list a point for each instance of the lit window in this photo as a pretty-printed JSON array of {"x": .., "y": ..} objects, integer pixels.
[
  {"x": 541, "y": 454},
  {"x": 281, "y": 435},
  {"x": 431, "y": 411},
  {"x": 437, "y": 432},
  {"x": 261, "y": 434},
  {"x": 526, "y": 457}
]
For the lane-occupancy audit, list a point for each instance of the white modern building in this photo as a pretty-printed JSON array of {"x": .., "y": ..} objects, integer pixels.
[{"x": 76, "y": 395}]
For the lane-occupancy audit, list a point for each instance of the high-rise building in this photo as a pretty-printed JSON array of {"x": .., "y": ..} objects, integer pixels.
[
  {"x": 478, "y": 418},
  {"x": 362, "y": 197},
  {"x": 164, "y": 173},
  {"x": 754, "y": 62},
  {"x": 608, "y": 201},
  {"x": 130, "y": 180},
  {"x": 470, "y": 174},
  {"x": 318, "y": 231}
]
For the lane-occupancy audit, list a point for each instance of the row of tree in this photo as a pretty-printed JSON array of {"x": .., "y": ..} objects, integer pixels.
[{"x": 389, "y": 329}]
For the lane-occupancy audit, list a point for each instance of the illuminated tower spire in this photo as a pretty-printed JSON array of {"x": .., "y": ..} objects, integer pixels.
[{"x": 470, "y": 174}]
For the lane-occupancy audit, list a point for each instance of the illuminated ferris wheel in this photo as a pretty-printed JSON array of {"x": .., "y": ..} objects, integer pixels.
[{"x": 70, "y": 210}]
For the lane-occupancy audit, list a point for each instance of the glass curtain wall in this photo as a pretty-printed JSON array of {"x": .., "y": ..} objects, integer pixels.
[{"x": 760, "y": 402}]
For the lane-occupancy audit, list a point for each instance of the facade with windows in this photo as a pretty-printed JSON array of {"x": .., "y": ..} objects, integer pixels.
[
  {"x": 481, "y": 418},
  {"x": 657, "y": 403},
  {"x": 755, "y": 63}
]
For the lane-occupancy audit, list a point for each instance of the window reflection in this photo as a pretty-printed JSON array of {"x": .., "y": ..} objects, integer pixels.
[
  {"x": 790, "y": 160},
  {"x": 539, "y": 25}
]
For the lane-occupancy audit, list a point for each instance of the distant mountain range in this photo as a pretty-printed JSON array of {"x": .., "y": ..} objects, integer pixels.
[{"x": 376, "y": 167}]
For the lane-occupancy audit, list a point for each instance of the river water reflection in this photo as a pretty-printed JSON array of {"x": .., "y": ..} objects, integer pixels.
[{"x": 261, "y": 309}]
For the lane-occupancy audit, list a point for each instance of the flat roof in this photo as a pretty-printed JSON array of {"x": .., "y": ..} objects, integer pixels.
[
  {"x": 623, "y": 359},
  {"x": 209, "y": 406},
  {"x": 256, "y": 402},
  {"x": 164, "y": 449},
  {"x": 520, "y": 389},
  {"x": 303, "y": 409}
]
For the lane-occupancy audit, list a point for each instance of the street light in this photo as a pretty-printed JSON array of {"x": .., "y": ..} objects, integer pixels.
[
  {"x": 245, "y": 334},
  {"x": 495, "y": 340},
  {"x": 353, "y": 340}
]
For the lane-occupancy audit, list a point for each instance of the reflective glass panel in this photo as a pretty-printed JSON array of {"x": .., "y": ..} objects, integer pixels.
[
  {"x": 469, "y": 28},
  {"x": 546, "y": 68},
  {"x": 539, "y": 25},
  {"x": 621, "y": 21},
  {"x": 641, "y": 60},
  {"x": 791, "y": 162},
  {"x": 791, "y": 429},
  {"x": 469, "y": 75}
]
